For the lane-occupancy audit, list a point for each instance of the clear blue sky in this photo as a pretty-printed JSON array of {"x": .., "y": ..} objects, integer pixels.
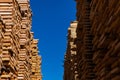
[{"x": 51, "y": 19}]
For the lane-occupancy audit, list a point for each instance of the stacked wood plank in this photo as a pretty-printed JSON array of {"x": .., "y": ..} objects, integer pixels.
[
  {"x": 16, "y": 40},
  {"x": 105, "y": 17},
  {"x": 35, "y": 61},
  {"x": 24, "y": 39},
  {"x": 84, "y": 41},
  {"x": 98, "y": 40},
  {"x": 8, "y": 14},
  {"x": 1, "y": 37},
  {"x": 70, "y": 64}
]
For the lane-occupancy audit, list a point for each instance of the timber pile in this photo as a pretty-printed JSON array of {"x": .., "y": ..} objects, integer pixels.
[
  {"x": 9, "y": 53},
  {"x": 105, "y": 28},
  {"x": 16, "y": 40},
  {"x": 70, "y": 72},
  {"x": 35, "y": 61},
  {"x": 84, "y": 41},
  {"x": 97, "y": 42}
]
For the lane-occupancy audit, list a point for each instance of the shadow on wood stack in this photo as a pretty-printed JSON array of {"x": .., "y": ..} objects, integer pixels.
[{"x": 97, "y": 42}]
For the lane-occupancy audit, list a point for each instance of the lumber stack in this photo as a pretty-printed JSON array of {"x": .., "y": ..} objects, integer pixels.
[
  {"x": 8, "y": 13},
  {"x": 97, "y": 42},
  {"x": 105, "y": 28},
  {"x": 16, "y": 40},
  {"x": 84, "y": 41},
  {"x": 1, "y": 37},
  {"x": 35, "y": 61},
  {"x": 70, "y": 64},
  {"x": 24, "y": 39}
]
